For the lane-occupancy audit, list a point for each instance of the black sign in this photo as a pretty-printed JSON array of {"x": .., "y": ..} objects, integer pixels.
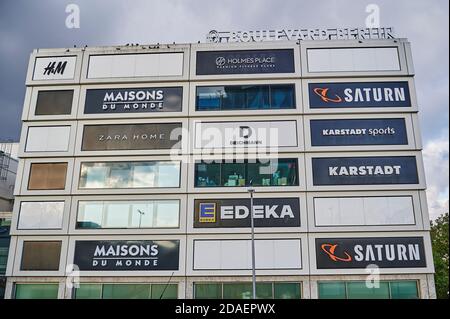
[
  {"x": 384, "y": 252},
  {"x": 365, "y": 170},
  {"x": 358, "y": 132},
  {"x": 245, "y": 62},
  {"x": 114, "y": 255},
  {"x": 133, "y": 100},
  {"x": 131, "y": 137},
  {"x": 55, "y": 68},
  {"x": 363, "y": 94},
  {"x": 227, "y": 213}
]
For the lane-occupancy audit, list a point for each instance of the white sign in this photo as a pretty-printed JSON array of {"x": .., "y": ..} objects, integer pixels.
[
  {"x": 135, "y": 65},
  {"x": 54, "y": 68},
  {"x": 300, "y": 34},
  {"x": 257, "y": 134}
]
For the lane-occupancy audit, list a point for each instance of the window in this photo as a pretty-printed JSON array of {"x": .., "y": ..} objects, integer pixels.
[
  {"x": 280, "y": 172},
  {"x": 47, "y": 176},
  {"x": 4, "y": 248},
  {"x": 41, "y": 255},
  {"x": 364, "y": 211},
  {"x": 54, "y": 102},
  {"x": 48, "y": 139},
  {"x": 126, "y": 291},
  {"x": 102, "y": 175},
  {"x": 41, "y": 215},
  {"x": 245, "y": 97},
  {"x": 264, "y": 290},
  {"x": 36, "y": 291},
  {"x": 406, "y": 289},
  {"x": 128, "y": 214}
]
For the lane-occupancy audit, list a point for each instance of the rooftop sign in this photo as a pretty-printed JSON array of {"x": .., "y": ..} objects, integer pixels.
[{"x": 300, "y": 34}]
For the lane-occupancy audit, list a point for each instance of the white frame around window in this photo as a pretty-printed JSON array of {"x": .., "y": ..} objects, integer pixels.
[
  {"x": 67, "y": 125},
  {"x": 77, "y": 172},
  {"x": 245, "y": 112},
  {"x": 34, "y": 92}
]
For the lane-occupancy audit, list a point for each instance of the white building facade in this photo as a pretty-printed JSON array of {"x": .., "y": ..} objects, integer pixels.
[{"x": 121, "y": 173}]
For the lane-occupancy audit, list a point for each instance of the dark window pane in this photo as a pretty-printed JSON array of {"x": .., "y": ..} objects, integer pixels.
[
  {"x": 360, "y": 290},
  {"x": 89, "y": 291},
  {"x": 54, "y": 102},
  {"x": 240, "y": 97},
  {"x": 41, "y": 255},
  {"x": 282, "y": 96},
  {"x": 207, "y": 174},
  {"x": 237, "y": 291},
  {"x": 332, "y": 290},
  {"x": 47, "y": 176},
  {"x": 126, "y": 291},
  {"x": 404, "y": 290},
  {"x": 208, "y": 291},
  {"x": 36, "y": 291},
  {"x": 233, "y": 174},
  {"x": 163, "y": 291},
  {"x": 286, "y": 290}
]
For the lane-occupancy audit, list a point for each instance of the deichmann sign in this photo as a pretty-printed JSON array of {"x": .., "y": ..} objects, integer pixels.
[
  {"x": 363, "y": 94},
  {"x": 151, "y": 136},
  {"x": 365, "y": 170},
  {"x": 133, "y": 100},
  {"x": 245, "y": 62},
  {"x": 384, "y": 252},
  {"x": 252, "y": 134},
  {"x": 335, "y": 132},
  {"x": 54, "y": 68},
  {"x": 228, "y": 213},
  {"x": 127, "y": 255}
]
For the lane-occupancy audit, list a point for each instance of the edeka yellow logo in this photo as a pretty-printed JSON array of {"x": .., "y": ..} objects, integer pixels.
[{"x": 207, "y": 213}]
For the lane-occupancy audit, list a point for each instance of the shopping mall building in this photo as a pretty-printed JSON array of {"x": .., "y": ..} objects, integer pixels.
[{"x": 135, "y": 165}]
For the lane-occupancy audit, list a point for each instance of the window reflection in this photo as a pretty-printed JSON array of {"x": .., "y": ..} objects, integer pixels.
[
  {"x": 128, "y": 214},
  {"x": 129, "y": 175},
  {"x": 238, "y": 97},
  {"x": 280, "y": 172}
]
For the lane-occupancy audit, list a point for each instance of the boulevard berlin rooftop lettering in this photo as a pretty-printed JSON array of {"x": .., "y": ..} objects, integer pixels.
[{"x": 300, "y": 34}]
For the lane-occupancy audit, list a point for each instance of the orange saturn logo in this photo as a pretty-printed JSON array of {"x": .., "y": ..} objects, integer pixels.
[
  {"x": 329, "y": 250},
  {"x": 322, "y": 92}
]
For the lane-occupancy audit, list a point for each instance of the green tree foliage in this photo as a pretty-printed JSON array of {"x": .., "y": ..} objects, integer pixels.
[{"x": 439, "y": 238}]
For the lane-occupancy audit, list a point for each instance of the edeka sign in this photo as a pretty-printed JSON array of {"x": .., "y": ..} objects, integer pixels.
[
  {"x": 151, "y": 136},
  {"x": 133, "y": 100},
  {"x": 228, "y": 213},
  {"x": 384, "y": 252},
  {"x": 245, "y": 62},
  {"x": 365, "y": 170},
  {"x": 337, "y": 132},
  {"x": 359, "y": 94},
  {"x": 114, "y": 255}
]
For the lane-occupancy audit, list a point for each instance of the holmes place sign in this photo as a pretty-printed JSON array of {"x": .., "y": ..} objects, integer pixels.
[{"x": 300, "y": 34}]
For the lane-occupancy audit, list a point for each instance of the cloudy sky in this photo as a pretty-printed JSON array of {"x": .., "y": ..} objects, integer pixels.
[{"x": 25, "y": 25}]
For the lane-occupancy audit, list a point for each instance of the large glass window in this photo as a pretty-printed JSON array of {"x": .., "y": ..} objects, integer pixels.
[
  {"x": 245, "y": 97},
  {"x": 36, "y": 291},
  {"x": 279, "y": 172},
  {"x": 129, "y": 175},
  {"x": 41, "y": 255},
  {"x": 128, "y": 214},
  {"x": 406, "y": 289},
  {"x": 126, "y": 291},
  {"x": 41, "y": 215},
  {"x": 264, "y": 290},
  {"x": 54, "y": 102},
  {"x": 4, "y": 247},
  {"x": 47, "y": 176}
]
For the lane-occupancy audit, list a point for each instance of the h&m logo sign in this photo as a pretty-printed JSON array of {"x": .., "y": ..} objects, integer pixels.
[{"x": 54, "y": 67}]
